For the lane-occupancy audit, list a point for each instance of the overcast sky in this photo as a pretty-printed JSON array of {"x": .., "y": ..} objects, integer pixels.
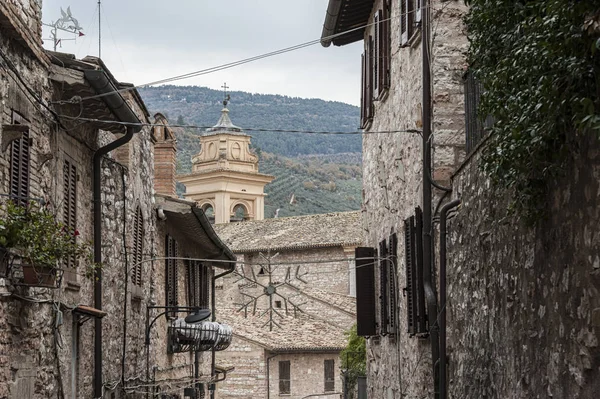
[{"x": 148, "y": 40}]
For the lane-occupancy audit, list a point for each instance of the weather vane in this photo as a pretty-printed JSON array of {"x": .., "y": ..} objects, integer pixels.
[
  {"x": 226, "y": 96},
  {"x": 66, "y": 23}
]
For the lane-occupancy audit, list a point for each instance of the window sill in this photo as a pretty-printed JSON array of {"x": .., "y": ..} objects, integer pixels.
[
  {"x": 414, "y": 39},
  {"x": 137, "y": 293}
]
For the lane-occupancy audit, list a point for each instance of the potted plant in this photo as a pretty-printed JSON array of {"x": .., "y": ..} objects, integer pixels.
[{"x": 39, "y": 242}]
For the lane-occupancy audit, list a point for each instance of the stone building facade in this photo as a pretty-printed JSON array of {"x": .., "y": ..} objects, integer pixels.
[
  {"x": 521, "y": 302},
  {"x": 291, "y": 302},
  {"x": 52, "y": 123}
]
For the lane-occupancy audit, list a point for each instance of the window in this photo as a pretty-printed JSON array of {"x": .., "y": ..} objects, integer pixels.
[
  {"x": 284, "y": 378},
  {"x": 70, "y": 213},
  {"x": 406, "y": 20},
  {"x": 19, "y": 165},
  {"x": 383, "y": 288},
  {"x": 474, "y": 126},
  {"x": 198, "y": 279},
  {"x": 414, "y": 289},
  {"x": 365, "y": 292},
  {"x": 329, "y": 375},
  {"x": 138, "y": 247},
  {"x": 376, "y": 64},
  {"x": 171, "y": 251}
]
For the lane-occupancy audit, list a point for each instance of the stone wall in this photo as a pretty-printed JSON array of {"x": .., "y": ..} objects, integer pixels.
[
  {"x": 400, "y": 366},
  {"x": 524, "y": 302},
  {"x": 248, "y": 380}
]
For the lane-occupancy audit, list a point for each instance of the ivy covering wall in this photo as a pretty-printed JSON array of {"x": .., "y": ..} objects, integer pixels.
[{"x": 539, "y": 64}]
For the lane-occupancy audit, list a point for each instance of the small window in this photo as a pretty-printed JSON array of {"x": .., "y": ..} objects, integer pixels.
[
  {"x": 284, "y": 378},
  {"x": 198, "y": 280},
  {"x": 171, "y": 253},
  {"x": 138, "y": 247},
  {"x": 406, "y": 20},
  {"x": 70, "y": 213},
  {"x": 329, "y": 375},
  {"x": 19, "y": 165},
  {"x": 278, "y": 304}
]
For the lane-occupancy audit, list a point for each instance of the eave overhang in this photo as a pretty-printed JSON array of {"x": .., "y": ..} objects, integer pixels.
[
  {"x": 186, "y": 222},
  {"x": 345, "y": 16}
]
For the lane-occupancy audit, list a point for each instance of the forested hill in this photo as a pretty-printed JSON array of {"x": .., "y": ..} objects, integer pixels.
[{"x": 201, "y": 106}]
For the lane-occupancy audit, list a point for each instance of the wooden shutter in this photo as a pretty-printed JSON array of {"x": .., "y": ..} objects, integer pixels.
[
  {"x": 70, "y": 211},
  {"x": 19, "y": 166},
  {"x": 386, "y": 47},
  {"x": 392, "y": 291},
  {"x": 409, "y": 260},
  {"x": 329, "y": 368},
  {"x": 138, "y": 247},
  {"x": 421, "y": 327},
  {"x": 366, "y": 324},
  {"x": 369, "y": 69},
  {"x": 197, "y": 295},
  {"x": 406, "y": 20},
  {"x": 284, "y": 377},
  {"x": 383, "y": 288},
  {"x": 363, "y": 91},
  {"x": 377, "y": 55},
  {"x": 204, "y": 285},
  {"x": 171, "y": 273}
]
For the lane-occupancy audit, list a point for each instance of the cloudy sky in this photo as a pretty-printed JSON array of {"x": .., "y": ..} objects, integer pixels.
[{"x": 148, "y": 40}]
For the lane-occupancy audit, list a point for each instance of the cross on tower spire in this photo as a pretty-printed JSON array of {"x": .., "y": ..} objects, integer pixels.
[{"x": 226, "y": 96}]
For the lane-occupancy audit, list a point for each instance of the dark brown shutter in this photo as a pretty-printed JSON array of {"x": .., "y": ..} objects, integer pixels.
[
  {"x": 138, "y": 247},
  {"x": 406, "y": 20},
  {"x": 392, "y": 291},
  {"x": 420, "y": 288},
  {"x": 171, "y": 273},
  {"x": 19, "y": 166},
  {"x": 383, "y": 288},
  {"x": 329, "y": 368},
  {"x": 204, "y": 284},
  {"x": 365, "y": 291},
  {"x": 369, "y": 68},
  {"x": 70, "y": 211},
  {"x": 363, "y": 92},
  {"x": 386, "y": 46},
  {"x": 410, "y": 288},
  {"x": 284, "y": 377},
  {"x": 377, "y": 55}
]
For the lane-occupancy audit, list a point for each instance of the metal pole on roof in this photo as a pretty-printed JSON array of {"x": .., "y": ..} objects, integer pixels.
[{"x": 99, "y": 29}]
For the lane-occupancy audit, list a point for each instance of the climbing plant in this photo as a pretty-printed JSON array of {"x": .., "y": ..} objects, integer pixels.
[
  {"x": 539, "y": 64},
  {"x": 354, "y": 358}
]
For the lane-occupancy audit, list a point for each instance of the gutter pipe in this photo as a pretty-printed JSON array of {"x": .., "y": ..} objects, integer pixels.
[
  {"x": 443, "y": 355},
  {"x": 428, "y": 283},
  {"x": 115, "y": 102},
  {"x": 333, "y": 10},
  {"x": 268, "y": 375}
]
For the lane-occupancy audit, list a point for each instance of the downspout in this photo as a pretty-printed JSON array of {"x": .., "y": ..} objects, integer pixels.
[
  {"x": 429, "y": 284},
  {"x": 443, "y": 357},
  {"x": 268, "y": 375},
  {"x": 102, "y": 85}
]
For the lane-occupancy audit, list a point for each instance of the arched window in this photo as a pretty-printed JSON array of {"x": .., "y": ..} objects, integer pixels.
[{"x": 240, "y": 213}]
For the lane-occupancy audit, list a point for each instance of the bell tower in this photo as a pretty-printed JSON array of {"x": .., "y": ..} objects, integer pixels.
[{"x": 225, "y": 181}]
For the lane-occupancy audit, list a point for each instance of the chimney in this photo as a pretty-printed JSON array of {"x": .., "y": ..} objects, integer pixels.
[{"x": 165, "y": 157}]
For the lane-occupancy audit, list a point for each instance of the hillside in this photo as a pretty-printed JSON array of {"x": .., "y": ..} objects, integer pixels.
[
  {"x": 314, "y": 173},
  {"x": 201, "y": 106}
]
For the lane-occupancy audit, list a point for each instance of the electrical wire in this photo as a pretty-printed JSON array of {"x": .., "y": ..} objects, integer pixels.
[
  {"x": 241, "y": 62},
  {"x": 114, "y": 122}
]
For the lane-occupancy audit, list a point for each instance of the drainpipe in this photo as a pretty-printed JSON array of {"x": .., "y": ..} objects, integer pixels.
[
  {"x": 268, "y": 374},
  {"x": 115, "y": 102},
  {"x": 443, "y": 357},
  {"x": 429, "y": 284}
]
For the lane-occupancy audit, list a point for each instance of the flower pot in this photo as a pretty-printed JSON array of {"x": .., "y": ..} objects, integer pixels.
[{"x": 41, "y": 276}]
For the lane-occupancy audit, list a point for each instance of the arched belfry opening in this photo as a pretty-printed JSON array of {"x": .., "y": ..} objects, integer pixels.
[{"x": 225, "y": 173}]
